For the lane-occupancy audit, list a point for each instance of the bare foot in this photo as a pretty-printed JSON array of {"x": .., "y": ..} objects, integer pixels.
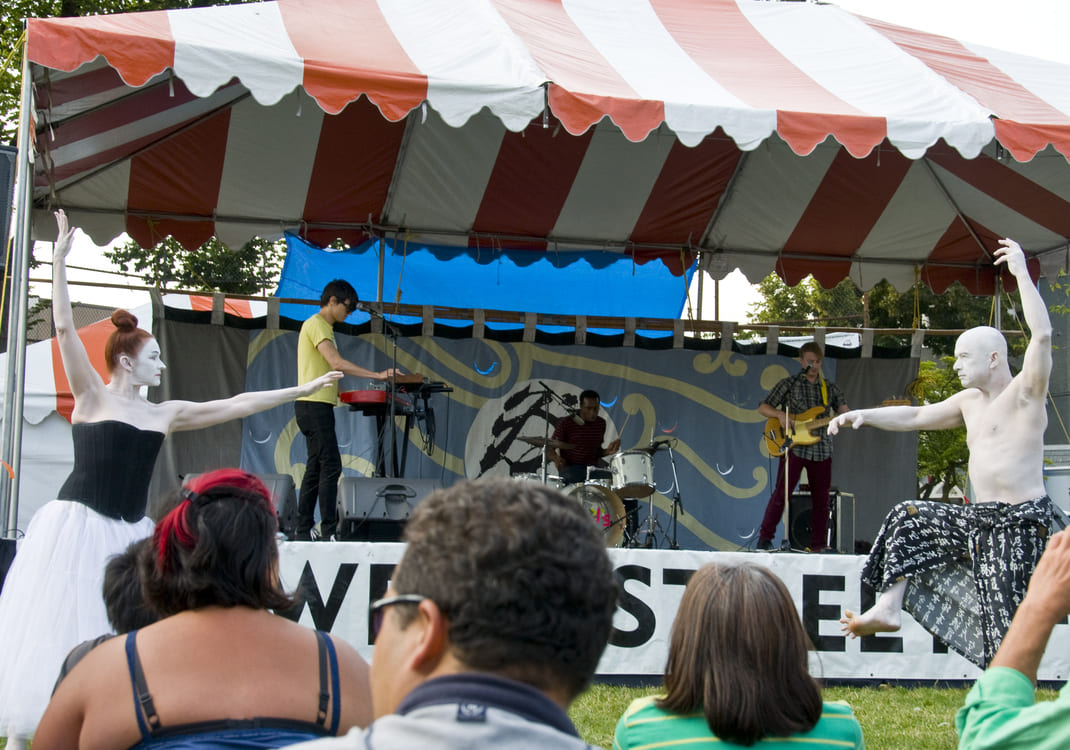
[{"x": 874, "y": 620}]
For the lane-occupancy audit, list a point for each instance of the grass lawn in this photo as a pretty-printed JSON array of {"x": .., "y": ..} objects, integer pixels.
[{"x": 892, "y": 718}]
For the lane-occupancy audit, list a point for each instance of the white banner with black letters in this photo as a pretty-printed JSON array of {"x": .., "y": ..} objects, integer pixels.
[{"x": 341, "y": 579}]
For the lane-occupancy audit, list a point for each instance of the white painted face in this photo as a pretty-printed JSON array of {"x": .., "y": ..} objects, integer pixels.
[
  {"x": 147, "y": 368},
  {"x": 971, "y": 361}
]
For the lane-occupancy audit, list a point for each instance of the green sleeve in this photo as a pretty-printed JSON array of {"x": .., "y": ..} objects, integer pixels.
[{"x": 1000, "y": 712}]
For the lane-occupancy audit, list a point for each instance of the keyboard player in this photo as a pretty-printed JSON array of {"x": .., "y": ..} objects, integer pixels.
[{"x": 318, "y": 354}]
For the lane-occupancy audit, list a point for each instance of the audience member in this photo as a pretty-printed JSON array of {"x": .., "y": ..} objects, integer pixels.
[
  {"x": 123, "y": 602},
  {"x": 1000, "y": 711},
  {"x": 220, "y": 670},
  {"x": 494, "y": 622},
  {"x": 737, "y": 673}
]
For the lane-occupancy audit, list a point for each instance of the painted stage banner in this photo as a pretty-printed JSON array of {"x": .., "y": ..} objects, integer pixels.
[
  {"x": 342, "y": 579},
  {"x": 697, "y": 408}
]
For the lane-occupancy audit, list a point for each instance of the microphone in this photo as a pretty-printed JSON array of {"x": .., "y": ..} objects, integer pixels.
[
  {"x": 369, "y": 310},
  {"x": 577, "y": 418}
]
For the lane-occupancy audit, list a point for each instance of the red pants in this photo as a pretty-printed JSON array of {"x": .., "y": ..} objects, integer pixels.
[{"x": 819, "y": 475}]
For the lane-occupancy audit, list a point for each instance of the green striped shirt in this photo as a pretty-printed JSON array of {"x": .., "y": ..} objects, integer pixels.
[{"x": 644, "y": 726}]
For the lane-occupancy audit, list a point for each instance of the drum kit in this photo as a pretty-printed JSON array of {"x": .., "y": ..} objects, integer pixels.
[{"x": 630, "y": 476}]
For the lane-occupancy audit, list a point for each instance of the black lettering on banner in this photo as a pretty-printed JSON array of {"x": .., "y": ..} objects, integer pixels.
[
  {"x": 634, "y": 606},
  {"x": 814, "y": 612},
  {"x": 676, "y": 576},
  {"x": 378, "y": 579},
  {"x": 308, "y": 592},
  {"x": 877, "y": 644}
]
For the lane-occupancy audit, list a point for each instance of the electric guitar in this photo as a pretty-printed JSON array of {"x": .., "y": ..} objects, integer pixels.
[
  {"x": 805, "y": 425},
  {"x": 803, "y": 430}
]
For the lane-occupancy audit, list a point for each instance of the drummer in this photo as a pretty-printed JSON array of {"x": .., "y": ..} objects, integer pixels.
[{"x": 583, "y": 431}]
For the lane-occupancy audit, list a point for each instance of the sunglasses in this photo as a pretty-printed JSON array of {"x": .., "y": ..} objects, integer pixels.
[{"x": 377, "y": 609}]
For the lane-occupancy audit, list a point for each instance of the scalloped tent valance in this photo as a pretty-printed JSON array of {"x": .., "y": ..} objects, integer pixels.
[{"x": 763, "y": 135}]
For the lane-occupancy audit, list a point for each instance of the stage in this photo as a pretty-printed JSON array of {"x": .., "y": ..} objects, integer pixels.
[{"x": 343, "y": 577}]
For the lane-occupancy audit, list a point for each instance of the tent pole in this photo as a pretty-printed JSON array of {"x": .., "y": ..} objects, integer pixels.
[
  {"x": 701, "y": 285},
  {"x": 14, "y": 386}
]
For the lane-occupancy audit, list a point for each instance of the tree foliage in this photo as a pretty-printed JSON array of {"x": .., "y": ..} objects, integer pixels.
[
  {"x": 943, "y": 457},
  {"x": 251, "y": 269},
  {"x": 845, "y": 306}
]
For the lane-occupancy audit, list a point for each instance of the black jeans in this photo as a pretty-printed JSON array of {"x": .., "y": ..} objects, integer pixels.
[{"x": 323, "y": 467}]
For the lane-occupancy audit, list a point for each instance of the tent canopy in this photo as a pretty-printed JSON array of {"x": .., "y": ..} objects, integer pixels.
[{"x": 788, "y": 136}]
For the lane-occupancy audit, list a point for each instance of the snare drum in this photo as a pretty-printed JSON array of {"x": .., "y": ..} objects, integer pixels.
[
  {"x": 602, "y": 477},
  {"x": 552, "y": 480},
  {"x": 633, "y": 473},
  {"x": 605, "y": 508}
]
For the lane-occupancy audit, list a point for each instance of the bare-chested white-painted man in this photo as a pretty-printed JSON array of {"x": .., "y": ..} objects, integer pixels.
[{"x": 961, "y": 570}]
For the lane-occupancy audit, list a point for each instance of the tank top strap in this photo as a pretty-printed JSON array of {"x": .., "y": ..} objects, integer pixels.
[
  {"x": 144, "y": 709},
  {"x": 329, "y": 683}
]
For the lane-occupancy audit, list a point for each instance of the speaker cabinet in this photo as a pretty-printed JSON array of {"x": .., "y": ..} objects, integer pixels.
[
  {"x": 375, "y": 509},
  {"x": 841, "y": 523},
  {"x": 284, "y": 497},
  {"x": 283, "y": 494}
]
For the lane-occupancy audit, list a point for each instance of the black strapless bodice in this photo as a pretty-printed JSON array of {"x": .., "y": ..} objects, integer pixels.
[{"x": 113, "y": 463}]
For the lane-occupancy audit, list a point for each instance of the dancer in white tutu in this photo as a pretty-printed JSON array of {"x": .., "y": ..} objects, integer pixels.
[{"x": 52, "y": 597}]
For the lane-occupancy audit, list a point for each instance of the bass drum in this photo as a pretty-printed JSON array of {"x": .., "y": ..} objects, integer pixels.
[{"x": 605, "y": 508}]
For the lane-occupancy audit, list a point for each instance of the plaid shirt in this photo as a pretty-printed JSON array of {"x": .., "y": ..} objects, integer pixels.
[{"x": 799, "y": 394}]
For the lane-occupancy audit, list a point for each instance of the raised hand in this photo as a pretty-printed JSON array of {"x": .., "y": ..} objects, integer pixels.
[
  {"x": 64, "y": 235},
  {"x": 1011, "y": 255}
]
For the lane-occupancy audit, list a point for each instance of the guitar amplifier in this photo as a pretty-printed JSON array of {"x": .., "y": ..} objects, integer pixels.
[{"x": 841, "y": 522}]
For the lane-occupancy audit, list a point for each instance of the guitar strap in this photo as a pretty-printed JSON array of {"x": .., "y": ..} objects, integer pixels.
[{"x": 824, "y": 393}]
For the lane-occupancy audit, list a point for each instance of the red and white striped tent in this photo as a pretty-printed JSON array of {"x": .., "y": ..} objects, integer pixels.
[{"x": 765, "y": 135}]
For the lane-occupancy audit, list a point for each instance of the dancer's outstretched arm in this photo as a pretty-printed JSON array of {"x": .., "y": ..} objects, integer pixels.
[{"x": 193, "y": 415}]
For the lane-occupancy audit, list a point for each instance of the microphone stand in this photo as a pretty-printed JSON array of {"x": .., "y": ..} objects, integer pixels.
[
  {"x": 571, "y": 413},
  {"x": 390, "y": 468},
  {"x": 677, "y": 504},
  {"x": 785, "y": 546},
  {"x": 545, "y": 398}
]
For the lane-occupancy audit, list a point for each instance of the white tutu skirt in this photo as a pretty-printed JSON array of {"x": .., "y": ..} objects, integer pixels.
[{"x": 52, "y": 601}]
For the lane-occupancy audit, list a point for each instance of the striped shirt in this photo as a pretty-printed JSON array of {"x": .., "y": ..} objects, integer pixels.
[
  {"x": 587, "y": 439},
  {"x": 644, "y": 726}
]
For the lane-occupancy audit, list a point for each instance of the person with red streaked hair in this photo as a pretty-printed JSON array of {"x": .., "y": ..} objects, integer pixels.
[
  {"x": 220, "y": 670},
  {"x": 51, "y": 599}
]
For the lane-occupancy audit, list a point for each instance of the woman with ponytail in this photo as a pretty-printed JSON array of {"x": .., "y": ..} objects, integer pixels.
[
  {"x": 221, "y": 670},
  {"x": 51, "y": 599}
]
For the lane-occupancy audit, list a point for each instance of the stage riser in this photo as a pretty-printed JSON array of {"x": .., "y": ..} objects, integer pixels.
[{"x": 344, "y": 577}]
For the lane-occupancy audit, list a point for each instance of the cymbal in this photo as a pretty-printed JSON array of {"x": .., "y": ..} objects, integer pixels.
[{"x": 540, "y": 442}]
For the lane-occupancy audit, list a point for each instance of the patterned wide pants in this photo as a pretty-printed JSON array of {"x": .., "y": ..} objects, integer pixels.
[{"x": 967, "y": 566}]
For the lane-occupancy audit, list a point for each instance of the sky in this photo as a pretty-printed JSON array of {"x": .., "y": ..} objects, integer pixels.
[{"x": 1034, "y": 27}]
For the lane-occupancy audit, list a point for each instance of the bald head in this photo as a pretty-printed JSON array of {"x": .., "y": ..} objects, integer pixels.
[
  {"x": 985, "y": 339},
  {"x": 980, "y": 353}
]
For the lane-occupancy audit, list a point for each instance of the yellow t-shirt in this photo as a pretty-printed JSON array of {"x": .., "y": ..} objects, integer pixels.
[{"x": 310, "y": 363}]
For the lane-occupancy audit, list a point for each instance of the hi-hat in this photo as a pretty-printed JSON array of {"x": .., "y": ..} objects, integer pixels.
[{"x": 540, "y": 442}]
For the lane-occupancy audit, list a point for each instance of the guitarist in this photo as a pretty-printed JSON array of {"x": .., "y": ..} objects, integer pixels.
[{"x": 791, "y": 397}]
